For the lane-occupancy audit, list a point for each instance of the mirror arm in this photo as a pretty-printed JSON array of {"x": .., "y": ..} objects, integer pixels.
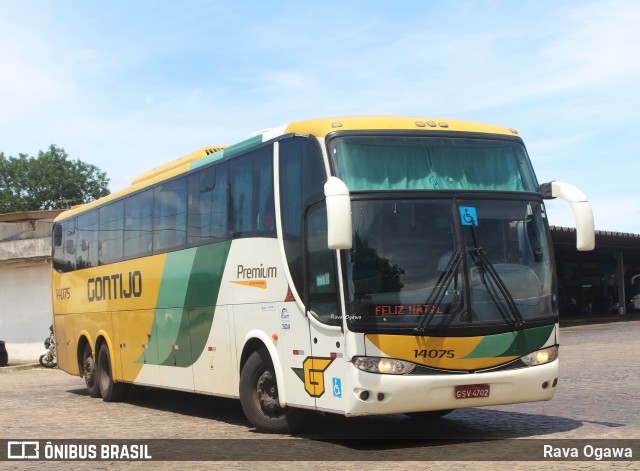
[{"x": 582, "y": 212}]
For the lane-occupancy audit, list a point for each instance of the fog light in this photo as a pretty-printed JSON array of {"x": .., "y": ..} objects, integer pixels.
[{"x": 364, "y": 395}]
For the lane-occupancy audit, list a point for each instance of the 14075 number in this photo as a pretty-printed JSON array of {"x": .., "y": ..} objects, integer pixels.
[{"x": 435, "y": 353}]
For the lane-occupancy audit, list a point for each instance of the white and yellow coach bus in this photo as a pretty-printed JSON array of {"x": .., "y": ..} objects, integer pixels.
[{"x": 354, "y": 265}]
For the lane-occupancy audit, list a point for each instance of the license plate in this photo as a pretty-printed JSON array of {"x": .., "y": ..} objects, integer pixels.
[{"x": 472, "y": 391}]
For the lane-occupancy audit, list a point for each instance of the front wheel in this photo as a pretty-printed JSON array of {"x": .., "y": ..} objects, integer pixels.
[
  {"x": 259, "y": 397},
  {"x": 109, "y": 389},
  {"x": 47, "y": 360}
]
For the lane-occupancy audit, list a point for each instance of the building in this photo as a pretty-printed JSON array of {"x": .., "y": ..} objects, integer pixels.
[
  {"x": 599, "y": 282},
  {"x": 25, "y": 277}
]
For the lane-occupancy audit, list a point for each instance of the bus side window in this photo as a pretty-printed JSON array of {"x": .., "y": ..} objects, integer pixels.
[
  {"x": 64, "y": 250},
  {"x": 302, "y": 175},
  {"x": 208, "y": 205},
  {"x": 253, "y": 208},
  {"x": 70, "y": 245},
  {"x": 170, "y": 216},
  {"x": 87, "y": 240},
  {"x": 137, "y": 225},
  {"x": 110, "y": 247},
  {"x": 57, "y": 235},
  {"x": 321, "y": 270},
  {"x": 58, "y": 259}
]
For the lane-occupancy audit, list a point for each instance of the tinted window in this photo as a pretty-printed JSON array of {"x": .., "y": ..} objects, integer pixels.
[
  {"x": 170, "y": 216},
  {"x": 432, "y": 163},
  {"x": 64, "y": 250},
  {"x": 111, "y": 233},
  {"x": 208, "y": 199},
  {"x": 252, "y": 193},
  {"x": 302, "y": 177},
  {"x": 87, "y": 234},
  {"x": 137, "y": 224},
  {"x": 58, "y": 237},
  {"x": 321, "y": 271}
]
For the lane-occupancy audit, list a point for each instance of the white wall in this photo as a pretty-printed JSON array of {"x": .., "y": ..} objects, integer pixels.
[{"x": 25, "y": 301}]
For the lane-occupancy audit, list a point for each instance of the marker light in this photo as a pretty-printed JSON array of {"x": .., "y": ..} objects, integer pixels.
[
  {"x": 389, "y": 366},
  {"x": 540, "y": 357}
]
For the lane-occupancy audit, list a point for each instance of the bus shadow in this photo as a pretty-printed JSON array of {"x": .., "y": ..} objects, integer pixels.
[
  {"x": 185, "y": 403},
  {"x": 461, "y": 424}
]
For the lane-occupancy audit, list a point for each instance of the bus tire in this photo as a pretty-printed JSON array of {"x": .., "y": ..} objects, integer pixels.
[
  {"x": 47, "y": 361},
  {"x": 259, "y": 397},
  {"x": 89, "y": 372},
  {"x": 109, "y": 389},
  {"x": 429, "y": 415}
]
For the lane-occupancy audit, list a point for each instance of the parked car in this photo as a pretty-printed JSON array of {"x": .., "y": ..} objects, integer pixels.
[{"x": 4, "y": 356}]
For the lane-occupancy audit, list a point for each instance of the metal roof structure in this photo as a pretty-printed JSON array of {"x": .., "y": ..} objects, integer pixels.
[
  {"x": 605, "y": 240},
  {"x": 22, "y": 216}
]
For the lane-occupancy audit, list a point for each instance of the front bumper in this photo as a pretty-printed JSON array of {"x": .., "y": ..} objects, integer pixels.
[{"x": 391, "y": 394}]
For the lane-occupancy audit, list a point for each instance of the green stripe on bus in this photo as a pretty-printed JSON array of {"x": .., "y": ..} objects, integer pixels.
[
  {"x": 186, "y": 302},
  {"x": 492, "y": 345},
  {"x": 226, "y": 152},
  {"x": 529, "y": 340},
  {"x": 202, "y": 294},
  {"x": 512, "y": 343},
  {"x": 168, "y": 314}
]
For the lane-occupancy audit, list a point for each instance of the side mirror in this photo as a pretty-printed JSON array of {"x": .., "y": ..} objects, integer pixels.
[
  {"x": 339, "y": 234},
  {"x": 585, "y": 232}
]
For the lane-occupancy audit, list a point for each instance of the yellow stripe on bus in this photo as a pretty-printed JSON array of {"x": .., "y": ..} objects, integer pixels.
[
  {"x": 262, "y": 284},
  {"x": 436, "y": 352}
]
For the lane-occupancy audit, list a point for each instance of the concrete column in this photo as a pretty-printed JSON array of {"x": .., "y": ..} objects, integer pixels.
[{"x": 620, "y": 282}]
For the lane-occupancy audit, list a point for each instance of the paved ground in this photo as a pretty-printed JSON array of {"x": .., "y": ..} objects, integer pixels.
[{"x": 597, "y": 398}]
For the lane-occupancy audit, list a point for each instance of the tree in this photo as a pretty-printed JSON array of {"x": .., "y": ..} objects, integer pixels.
[{"x": 48, "y": 181}]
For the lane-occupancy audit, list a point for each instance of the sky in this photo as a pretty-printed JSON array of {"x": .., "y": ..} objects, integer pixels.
[{"x": 129, "y": 85}]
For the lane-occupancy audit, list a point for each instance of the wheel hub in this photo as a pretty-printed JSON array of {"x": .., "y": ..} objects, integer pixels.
[
  {"x": 89, "y": 370},
  {"x": 268, "y": 394}
]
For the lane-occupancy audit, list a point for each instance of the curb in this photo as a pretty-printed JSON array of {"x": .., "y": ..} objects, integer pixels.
[
  {"x": 19, "y": 367},
  {"x": 595, "y": 320}
]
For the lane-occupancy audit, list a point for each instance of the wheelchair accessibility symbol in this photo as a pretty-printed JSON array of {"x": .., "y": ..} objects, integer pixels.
[
  {"x": 337, "y": 387},
  {"x": 468, "y": 216}
]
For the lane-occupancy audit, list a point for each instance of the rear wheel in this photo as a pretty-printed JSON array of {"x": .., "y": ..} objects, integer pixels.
[
  {"x": 259, "y": 397},
  {"x": 89, "y": 372},
  {"x": 109, "y": 390}
]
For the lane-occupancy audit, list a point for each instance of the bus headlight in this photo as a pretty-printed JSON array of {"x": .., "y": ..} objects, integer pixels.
[
  {"x": 540, "y": 357},
  {"x": 389, "y": 366}
]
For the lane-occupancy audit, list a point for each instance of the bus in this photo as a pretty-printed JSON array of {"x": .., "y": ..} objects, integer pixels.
[{"x": 356, "y": 265}]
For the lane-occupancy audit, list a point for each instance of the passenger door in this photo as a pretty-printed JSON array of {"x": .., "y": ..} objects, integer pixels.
[{"x": 324, "y": 369}]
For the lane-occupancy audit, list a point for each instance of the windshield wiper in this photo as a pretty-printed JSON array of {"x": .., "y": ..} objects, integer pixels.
[
  {"x": 440, "y": 289},
  {"x": 486, "y": 266}
]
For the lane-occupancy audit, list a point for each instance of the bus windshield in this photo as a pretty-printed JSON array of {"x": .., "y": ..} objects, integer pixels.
[
  {"x": 421, "y": 264},
  {"x": 385, "y": 162}
]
